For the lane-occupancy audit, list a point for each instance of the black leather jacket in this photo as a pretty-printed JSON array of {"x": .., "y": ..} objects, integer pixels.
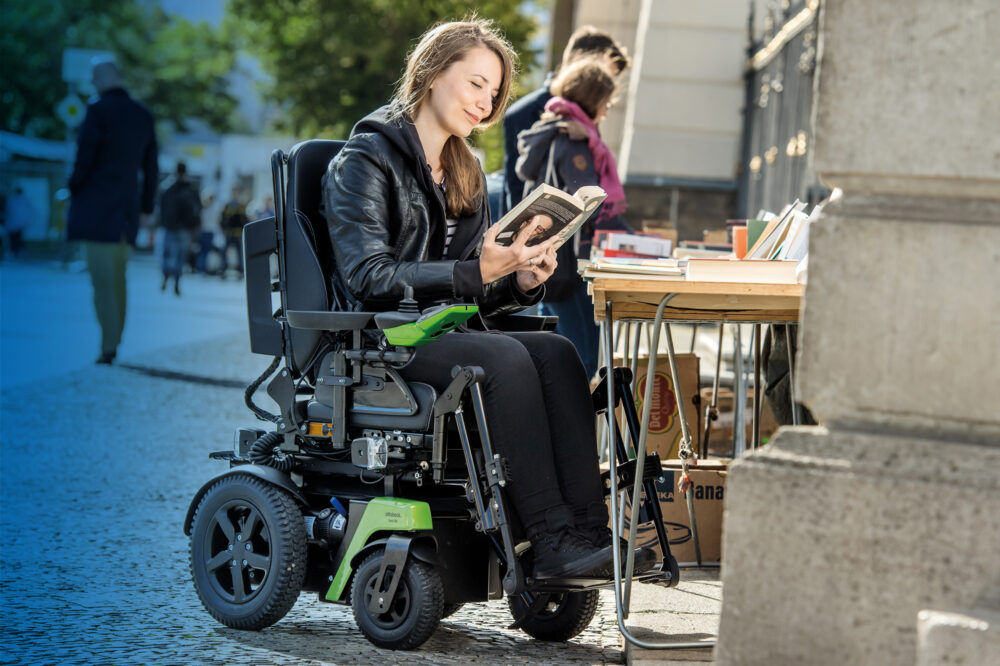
[{"x": 387, "y": 225}]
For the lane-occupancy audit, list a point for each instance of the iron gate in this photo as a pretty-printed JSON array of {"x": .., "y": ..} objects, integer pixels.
[{"x": 777, "y": 136}]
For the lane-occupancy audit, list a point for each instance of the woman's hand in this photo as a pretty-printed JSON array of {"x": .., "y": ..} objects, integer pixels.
[
  {"x": 540, "y": 271},
  {"x": 496, "y": 261}
]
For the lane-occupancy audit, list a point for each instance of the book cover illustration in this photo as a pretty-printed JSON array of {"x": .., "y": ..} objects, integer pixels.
[{"x": 567, "y": 211}]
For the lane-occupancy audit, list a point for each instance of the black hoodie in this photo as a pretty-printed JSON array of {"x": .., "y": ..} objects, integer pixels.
[{"x": 387, "y": 224}]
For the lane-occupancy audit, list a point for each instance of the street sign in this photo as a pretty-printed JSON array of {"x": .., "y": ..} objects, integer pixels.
[{"x": 71, "y": 110}]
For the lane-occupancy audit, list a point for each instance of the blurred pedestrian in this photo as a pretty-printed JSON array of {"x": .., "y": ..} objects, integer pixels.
[
  {"x": 265, "y": 209},
  {"x": 19, "y": 212},
  {"x": 586, "y": 42},
  {"x": 180, "y": 215},
  {"x": 206, "y": 236},
  {"x": 232, "y": 220},
  {"x": 565, "y": 150},
  {"x": 117, "y": 140}
]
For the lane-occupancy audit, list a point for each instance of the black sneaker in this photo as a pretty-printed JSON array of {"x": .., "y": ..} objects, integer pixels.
[
  {"x": 600, "y": 536},
  {"x": 564, "y": 553}
]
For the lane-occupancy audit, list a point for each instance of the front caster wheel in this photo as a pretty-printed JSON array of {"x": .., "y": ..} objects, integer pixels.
[
  {"x": 248, "y": 552},
  {"x": 560, "y": 617},
  {"x": 415, "y": 611}
]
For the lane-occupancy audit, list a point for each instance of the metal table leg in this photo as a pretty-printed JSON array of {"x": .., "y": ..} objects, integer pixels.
[
  {"x": 756, "y": 387},
  {"x": 739, "y": 395},
  {"x": 791, "y": 375},
  {"x": 712, "y": 410},
  {"x": 640, "y": 459}
]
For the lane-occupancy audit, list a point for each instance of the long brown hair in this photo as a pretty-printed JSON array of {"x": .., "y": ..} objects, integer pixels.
[
  {"x": 438, "y": 48},
  {"x": 586, "y": 82}
]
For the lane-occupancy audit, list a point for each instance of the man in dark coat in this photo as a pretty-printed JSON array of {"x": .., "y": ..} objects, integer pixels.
[
  {"x": 522, "y": 114},
  {"x": 116, "y": 141}
]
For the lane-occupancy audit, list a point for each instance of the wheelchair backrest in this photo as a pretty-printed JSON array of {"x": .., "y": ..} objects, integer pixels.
[{"x": 308, "y": 256}]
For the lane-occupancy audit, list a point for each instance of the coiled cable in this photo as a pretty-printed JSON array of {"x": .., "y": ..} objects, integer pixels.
[
  {"x": 265, "y": 451},
  {"x": 262, "y": 414}
]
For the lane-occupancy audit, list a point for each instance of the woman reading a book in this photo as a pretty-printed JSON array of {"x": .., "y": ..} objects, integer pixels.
[
  {"x": 564, "y": 149},
  {"x": 406, "y": 205}
]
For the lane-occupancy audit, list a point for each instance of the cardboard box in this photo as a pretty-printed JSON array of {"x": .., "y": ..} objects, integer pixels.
[
  {"x": 665, "y": 228},
  {"x": 715, "y": 235},
  {"x": 664, "y": 424},
  {"x": 720, "y": 441},
  {"x": 709, "y": 497}
]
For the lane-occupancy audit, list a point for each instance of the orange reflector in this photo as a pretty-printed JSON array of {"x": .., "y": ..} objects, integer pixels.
[{"x": 317, "y": 429}]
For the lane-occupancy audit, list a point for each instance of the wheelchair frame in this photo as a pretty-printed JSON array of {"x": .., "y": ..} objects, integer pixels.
[{"x": 303, "y": 455}]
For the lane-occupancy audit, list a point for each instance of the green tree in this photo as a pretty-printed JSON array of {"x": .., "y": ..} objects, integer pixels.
[
  {"x": 333, "y": 63},
  {"x": 176, "y": 68}
]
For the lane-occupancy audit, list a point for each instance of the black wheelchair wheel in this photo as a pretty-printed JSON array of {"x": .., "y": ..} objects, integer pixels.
[
  {"x": 560, "y": 617},
  {"x": 248, "y": 552},
  {"x": 451, "y": 609},
  {"x": 414, "y": 613}
]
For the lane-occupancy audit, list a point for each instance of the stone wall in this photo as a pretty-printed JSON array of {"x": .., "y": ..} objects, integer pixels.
[{"x": 841, "y": 540}]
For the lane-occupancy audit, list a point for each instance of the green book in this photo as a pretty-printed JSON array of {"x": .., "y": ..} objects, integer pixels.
[{"x": 754, "y": 229}]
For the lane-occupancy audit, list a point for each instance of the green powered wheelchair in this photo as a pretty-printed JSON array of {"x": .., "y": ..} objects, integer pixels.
[{"x": 368, "y": 490}]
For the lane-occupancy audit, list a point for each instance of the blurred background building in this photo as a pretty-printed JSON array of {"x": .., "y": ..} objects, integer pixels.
[
  {"x": 714, "y": 123},
  {"x": 712, "y": 120}
]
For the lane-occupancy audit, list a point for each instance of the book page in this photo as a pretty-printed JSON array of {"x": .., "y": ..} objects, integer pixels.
[{"x": 592, "y": 196}]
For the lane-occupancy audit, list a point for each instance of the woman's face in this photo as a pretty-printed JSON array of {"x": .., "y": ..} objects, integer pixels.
[{"x": 461, "y": 97}]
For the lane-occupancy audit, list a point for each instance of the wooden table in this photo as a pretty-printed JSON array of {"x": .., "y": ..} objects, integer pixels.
[
  {"x": 660, "y": 300},
  {"x": 637, "y": 297}
]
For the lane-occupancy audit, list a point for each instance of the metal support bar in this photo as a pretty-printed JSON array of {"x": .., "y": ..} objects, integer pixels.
[
  {"x": 756, "y": 387},
  {"x": 628, "y": 360},
  {"x": 739, "y": 396},
  {"x": 601, "y": 428},
  {"x": 477, "y": 497},
  {"x": 393, "y": 561},
  {"x": 712, "y": 410},
  {"x": 791, "y": 374},
  {"x": 685, "y": 444},
  {"x": 648, "y": 509},
  {"x": 640, "y": 459},
  {"x": 513, "y": 582}
]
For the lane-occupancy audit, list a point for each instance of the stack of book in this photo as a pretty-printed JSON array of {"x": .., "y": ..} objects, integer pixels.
[
  {"x": 661, "y": 266},
  {"x": 647, "y": 245},
  {"x": 641, "y": 253},
  {"x": 777, "y": 251}
]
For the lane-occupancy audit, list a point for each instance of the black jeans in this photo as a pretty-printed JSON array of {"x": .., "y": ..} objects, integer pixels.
[{"x": 540, "y": 416}]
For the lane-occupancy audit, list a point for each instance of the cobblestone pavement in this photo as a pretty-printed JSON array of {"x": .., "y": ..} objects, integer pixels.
[{"x": 98, "y": 467}]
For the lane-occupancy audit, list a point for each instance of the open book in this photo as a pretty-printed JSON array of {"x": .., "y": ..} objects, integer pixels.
[
  {"x": 773, "y": 235},
  {"x": 568, "y": 213}
]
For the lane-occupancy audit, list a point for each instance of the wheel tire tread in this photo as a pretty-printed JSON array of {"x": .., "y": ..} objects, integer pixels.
[
  {"x": 567, "y": 627},
  {"x": 294, "y": 551},
  {"x": 430, "y": 588}
]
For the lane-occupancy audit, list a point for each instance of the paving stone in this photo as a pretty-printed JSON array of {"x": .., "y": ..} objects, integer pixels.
[{"x": 98, "y": 468}]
